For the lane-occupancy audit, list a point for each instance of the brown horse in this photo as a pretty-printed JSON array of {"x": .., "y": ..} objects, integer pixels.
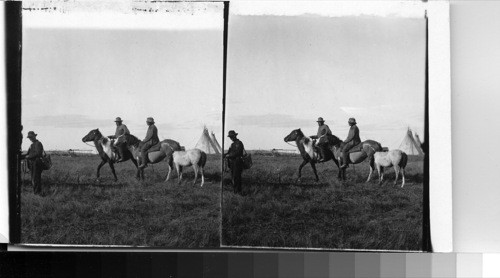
[
  {"x": 157, "y": 153},
  {"x": 307, "y": 151},
  {"x": 357, "y": 154},
  {"x": 105, "y": 150}
]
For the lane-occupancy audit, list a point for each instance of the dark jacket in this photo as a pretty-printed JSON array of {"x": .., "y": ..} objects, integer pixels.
[
  {"x": 353, "y": 136},
  {"x": 236, "y": 150},
  {"x": 152, "y": 135},
  {"x": 322, "y": 130},
  {"x": 120, "y": 130},
  {"x": 35, "y": 151}
]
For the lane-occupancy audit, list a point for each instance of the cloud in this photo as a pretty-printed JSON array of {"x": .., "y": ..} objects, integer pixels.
[
  {"x": 68, "y": 121},
  {"x": 271, "y": 120}
]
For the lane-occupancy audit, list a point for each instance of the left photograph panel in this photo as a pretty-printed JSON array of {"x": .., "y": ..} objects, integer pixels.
[{"x": 121, "y": 118}]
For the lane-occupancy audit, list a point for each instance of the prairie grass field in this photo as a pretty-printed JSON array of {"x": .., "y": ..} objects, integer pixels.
[
  {"x": 275, "y": 211},
  {"x": 75, "y": 209}
]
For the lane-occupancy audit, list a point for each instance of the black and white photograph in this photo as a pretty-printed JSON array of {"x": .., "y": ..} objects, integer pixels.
[
  {"x": 324, "y": 127},
  {"x": 121, "y": 123}
]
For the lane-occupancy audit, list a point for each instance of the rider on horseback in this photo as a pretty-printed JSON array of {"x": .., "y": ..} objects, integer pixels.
[
  {"x": 121, "y": 129},
  {"x": 148, "y": 142},
  {"x": 321, "y": 146},
  {"x": 351, "y": 141}
]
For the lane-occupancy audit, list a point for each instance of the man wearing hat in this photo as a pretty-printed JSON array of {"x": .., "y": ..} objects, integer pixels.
[
  {"x": 148, "y": 142},
  {"x": 351, "y": 141},
  {"x": 121, "y": 129},
  {"x": 34, "y": 155},
  {"x": 235, "y": 161},
  {"x": 322, "y": 130}
]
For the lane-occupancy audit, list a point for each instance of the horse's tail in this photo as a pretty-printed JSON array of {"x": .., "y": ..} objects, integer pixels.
[
  {"x": 404, "y": 160},
  {"x": 203, "y": 159}
]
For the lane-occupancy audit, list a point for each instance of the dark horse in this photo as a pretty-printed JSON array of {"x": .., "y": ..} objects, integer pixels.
[
  {"x": 157, "y": 153},
  {"x": 105, "y": 150},
  {"x": 357, "y": 154},
  {"x": 306, "y": 148}
]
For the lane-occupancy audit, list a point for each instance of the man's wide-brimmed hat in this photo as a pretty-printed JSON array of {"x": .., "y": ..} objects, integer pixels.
[
  {"x": 118, "y": 119},
  {"x": 150, "y": 120},
  {"x": 320, "y": 120},
  {"x": 352, "y": 121},
  {"x": 32, "y": 134},
  {"x": 231, "y": 133}
]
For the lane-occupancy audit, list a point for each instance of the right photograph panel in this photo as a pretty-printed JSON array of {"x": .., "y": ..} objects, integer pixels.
[{"x": 324, "y": 127}]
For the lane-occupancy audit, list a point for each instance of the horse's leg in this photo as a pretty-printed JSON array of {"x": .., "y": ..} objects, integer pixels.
[
  {"x": 300, "y": 169},
  {"x": 169, "y": 170},
  {"x": 382, "y": 175},
  {"x": 99, "y": 168},
  {"x": 179, "y": 173},
  {"x": 141, "y": 173},
  {"x": 372, "y": 166},
  {"x": 396, "y": 169},
  {"x": 202, "y": 177},
  {"x": 336, "y": 163},
  {"x": 339, "y": 175},
  {"x": 181, "y": 169},
  {"x": 195, "y": 168},
  {"x": 313, "y": 165},
  {"x": 379, "y": 174},
  {"x": 370, "y": 175},
  {"x": 134, "y": 161},
  {"x": 112, "y": 169},
  {"x": 403, "y": 174}
]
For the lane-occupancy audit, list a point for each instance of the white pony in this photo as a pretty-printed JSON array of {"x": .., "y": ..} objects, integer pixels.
[
  {"x": 396, "y": 158},
  {"x": 195, "y": 157}
]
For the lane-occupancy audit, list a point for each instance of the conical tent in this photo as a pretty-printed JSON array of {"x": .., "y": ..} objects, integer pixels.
[
  {"x": 409, "y": 146},
  {"x": 216, "y": 143},
  {"x": 205, "y": 143},
  {"x": 417, "y": 140}
]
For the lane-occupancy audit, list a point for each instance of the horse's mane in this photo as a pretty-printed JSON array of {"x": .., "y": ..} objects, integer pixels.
[
  {"x": 334, "y": 140},
  {"x": 132, "y": 140}
]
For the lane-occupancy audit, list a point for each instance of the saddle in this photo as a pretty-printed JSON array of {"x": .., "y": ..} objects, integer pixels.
[
  {"x": 357, "y": 148},
  {"x": 155, "y": 148}
]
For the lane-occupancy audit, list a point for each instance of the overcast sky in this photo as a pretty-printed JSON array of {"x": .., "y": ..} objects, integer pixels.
[
  {"x": 286, "y": 71},
  {"x": 81, "y": 74}
]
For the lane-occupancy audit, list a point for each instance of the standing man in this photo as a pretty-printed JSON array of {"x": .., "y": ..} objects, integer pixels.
[
  {"x": 351, "y": 141},
  {"x": 34, "y": 156},
  {"x": 148, "y": 142},
  {"x": 322, "y": 131},
  {"x": 235, "y": 161},
  {"x": 121, "y": 129}
]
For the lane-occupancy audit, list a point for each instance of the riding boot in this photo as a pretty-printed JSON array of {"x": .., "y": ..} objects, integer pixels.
[
  {"x": 345, "y": 160},
  {"x": 120, "y": 155},
  {"x": 321, "y": 154},
  {"x": 145, "y": 160}
]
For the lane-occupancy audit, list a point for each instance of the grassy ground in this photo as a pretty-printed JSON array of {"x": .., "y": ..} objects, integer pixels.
[
  {"x": 277, "y": 212},
  {"x": 77, "y": 210}
]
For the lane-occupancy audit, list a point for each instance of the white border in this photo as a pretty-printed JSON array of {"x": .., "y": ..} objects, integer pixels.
[
  {"x": 4, "y": 181},
  {"x": 440, "y": 170}
]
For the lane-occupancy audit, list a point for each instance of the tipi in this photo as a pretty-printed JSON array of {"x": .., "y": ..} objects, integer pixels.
[
  {"x": 216, "y": 143},
  {"x": 409, "y": 146},
  {"x": 419, "y": 143},
  {"x": 206, "y": 144}
]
